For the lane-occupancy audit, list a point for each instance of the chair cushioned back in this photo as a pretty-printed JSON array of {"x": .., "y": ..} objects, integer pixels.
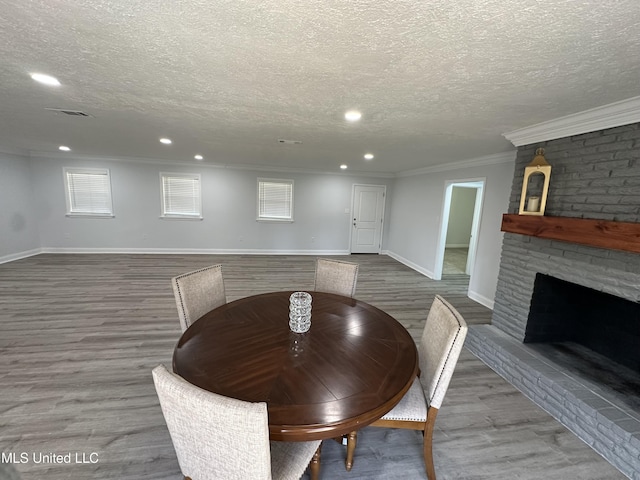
[
  {"x": 197, "y": 293},
  {"x": 439, "y": 349},
  {"x": 215, "y": 437},
  {"x": 335, "y": 276}
]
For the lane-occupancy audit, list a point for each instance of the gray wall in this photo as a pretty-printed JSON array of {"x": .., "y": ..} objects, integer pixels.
[
  {"x": 415, "y": 217},
  {"x": 412, "y": 215},
  {"x": 229, "y": 210},
  {"x": 18, "y": 220},
  {"x": 460, "y": 216}
]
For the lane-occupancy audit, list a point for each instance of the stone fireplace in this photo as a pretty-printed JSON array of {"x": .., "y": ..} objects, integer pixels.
[{"x": 592, "y": 389}]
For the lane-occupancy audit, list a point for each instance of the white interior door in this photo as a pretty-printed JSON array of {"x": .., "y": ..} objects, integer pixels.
[{"x": 367, "y": 218}]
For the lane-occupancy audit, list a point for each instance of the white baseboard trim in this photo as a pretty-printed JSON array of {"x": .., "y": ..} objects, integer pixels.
[
  {"x": 17, "y": 256},
  {"x": 408, "y": 263},
  {"x": 476, "y": 297},
  {"x": 481, "y": 299},
  {"x": 190, "y": 251}
]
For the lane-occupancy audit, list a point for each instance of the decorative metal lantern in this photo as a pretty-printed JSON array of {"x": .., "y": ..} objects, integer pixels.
[{"x": 535, "y": 185}]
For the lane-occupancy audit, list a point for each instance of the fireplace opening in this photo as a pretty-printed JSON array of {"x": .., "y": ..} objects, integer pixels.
[{"x": 590, "y": 334}]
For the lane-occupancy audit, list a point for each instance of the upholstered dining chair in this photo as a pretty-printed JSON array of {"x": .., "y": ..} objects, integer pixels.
[
  {"x": 438, "y": 351},
  {"x": 197, "y": 293},
  {"x": 336, "y": 276},
  {"x": 217, "y": 437}
]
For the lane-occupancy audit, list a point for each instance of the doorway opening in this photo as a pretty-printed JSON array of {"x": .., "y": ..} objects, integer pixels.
[{"x": 459, "y": 228}]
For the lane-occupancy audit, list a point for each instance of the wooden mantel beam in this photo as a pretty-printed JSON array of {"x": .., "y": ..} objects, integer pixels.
[{"x": 623, "y": 236}]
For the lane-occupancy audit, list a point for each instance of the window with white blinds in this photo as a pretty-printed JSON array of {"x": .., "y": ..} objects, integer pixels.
[
  {"x": 88, "y": 192},
  {"x": 181, "y": 195},
  {"x": 275, "y": 199}
]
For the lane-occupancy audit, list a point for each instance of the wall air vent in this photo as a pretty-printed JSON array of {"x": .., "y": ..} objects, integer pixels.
[
  {"x": 73, "y": 113},
  {"x": 289, "y": 142}
]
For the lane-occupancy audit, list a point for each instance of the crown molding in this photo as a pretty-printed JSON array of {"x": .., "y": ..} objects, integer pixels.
[
  {"x": 493, "y": 159},
  {"x": 36, "y": 155},
  {"x": 496, "y": 158},
  {"x": 599, "y": 118},
  {"x": 14, "y": 151}
]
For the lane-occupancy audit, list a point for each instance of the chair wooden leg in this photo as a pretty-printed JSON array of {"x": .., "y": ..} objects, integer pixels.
[
  {"x": 428, "y": 443},
  {"x": 314, "y": 466},
  {"x": 352, "y": 441}
]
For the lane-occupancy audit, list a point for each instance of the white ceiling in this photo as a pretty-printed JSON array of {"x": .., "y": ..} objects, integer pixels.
[{"x": 437, "y": 81}]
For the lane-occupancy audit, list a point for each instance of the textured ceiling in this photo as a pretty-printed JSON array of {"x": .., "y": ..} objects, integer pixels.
[{"x": 436, "y": 81}]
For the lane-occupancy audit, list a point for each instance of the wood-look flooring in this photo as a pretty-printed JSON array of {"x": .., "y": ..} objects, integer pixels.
[
  {"x": 455, "y": 260},
  {"x": 79, "y": 335}
]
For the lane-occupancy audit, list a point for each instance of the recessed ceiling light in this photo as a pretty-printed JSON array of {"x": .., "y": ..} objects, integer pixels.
[
  {"x": 46, "y": 79},
  {"x": 368, "y": 156},
  {"x": 343, "y": 167},
  {"x": 166, "y": 141},
  {"x": 198, "y": 157},
  {"x": 64, "y": 148},
  {"x": 353, "y": 115}
]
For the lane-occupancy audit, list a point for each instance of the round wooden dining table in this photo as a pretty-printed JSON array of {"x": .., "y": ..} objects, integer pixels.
[{"x": 353, "y": 365}]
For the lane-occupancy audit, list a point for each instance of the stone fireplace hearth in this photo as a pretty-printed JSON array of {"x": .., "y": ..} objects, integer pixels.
[{"x": 595, "y": 176}]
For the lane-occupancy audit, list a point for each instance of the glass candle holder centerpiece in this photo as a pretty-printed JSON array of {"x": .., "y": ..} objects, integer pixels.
[{"x": 299, "y": 312}]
